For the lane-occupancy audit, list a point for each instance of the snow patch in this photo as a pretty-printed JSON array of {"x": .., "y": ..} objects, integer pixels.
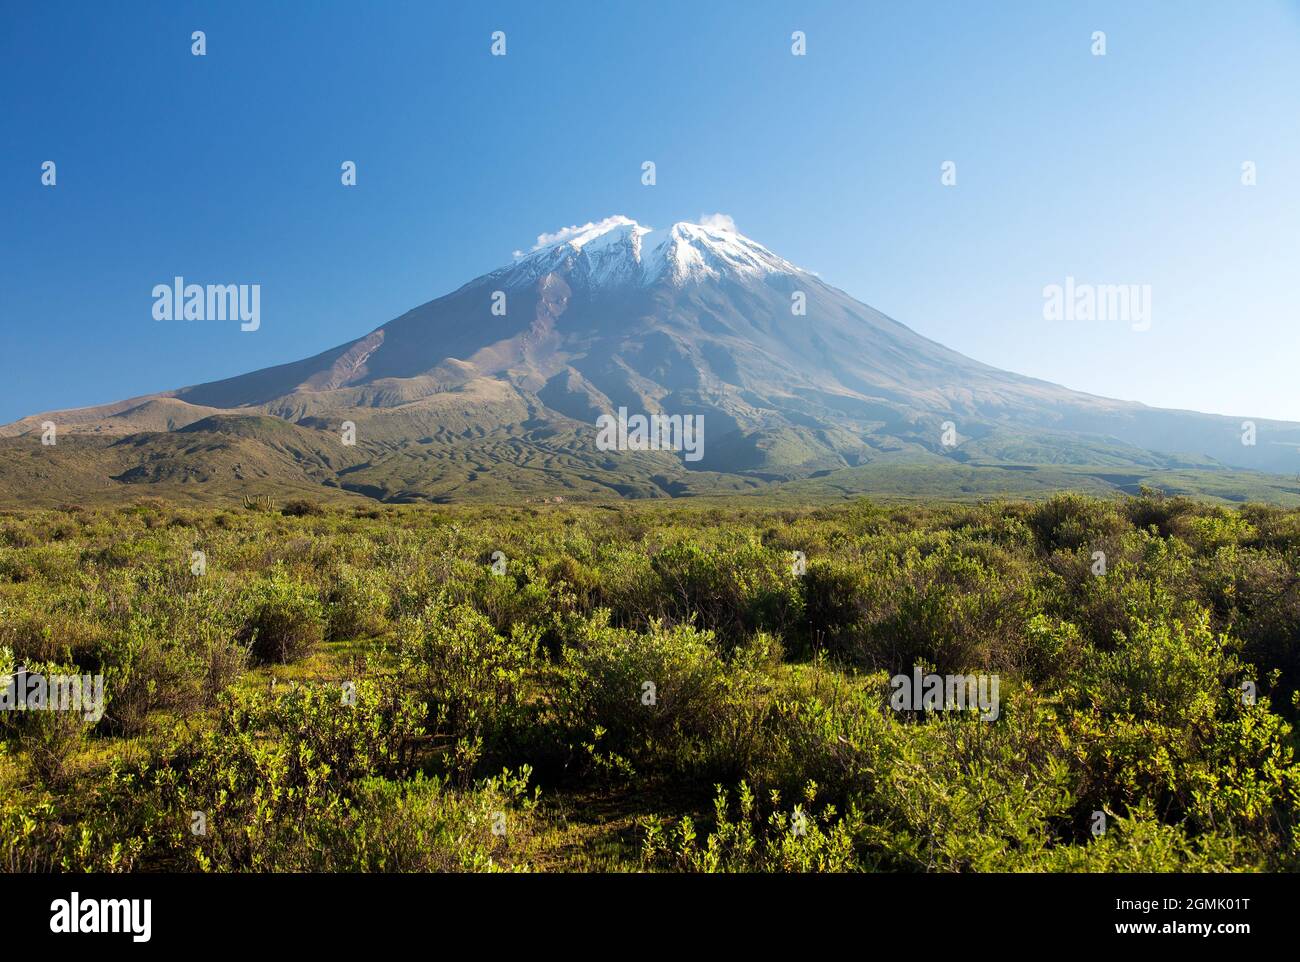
[{"x": 618, "y": 250}]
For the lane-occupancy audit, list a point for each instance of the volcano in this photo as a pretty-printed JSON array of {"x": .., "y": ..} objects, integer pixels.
[{"x": 496, "y": 390}]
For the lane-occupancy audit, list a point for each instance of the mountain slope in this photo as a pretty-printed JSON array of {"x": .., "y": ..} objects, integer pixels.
[{"x": 495, "y": 389}]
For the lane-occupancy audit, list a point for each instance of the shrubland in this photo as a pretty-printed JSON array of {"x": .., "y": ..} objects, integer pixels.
[{"x": 689, "y": 686}]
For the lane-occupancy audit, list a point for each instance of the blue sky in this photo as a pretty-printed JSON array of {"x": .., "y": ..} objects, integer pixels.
[{"x": 225, "y": 169}]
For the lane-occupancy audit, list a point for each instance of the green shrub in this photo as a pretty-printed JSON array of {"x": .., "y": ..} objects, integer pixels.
[
  {"x": 1157, "y": 511},
  {"x": 301, "y": 508},
  {"x": 1071, "y": 521},
  {"x": 1163, "y": 720},
  {"x": 357, "y": 604},
  {"x": 799, "y": 840},
  {"x": 659, "y": 697},
  {"x": 268, "y": 769},
  {"x": 731, "y": 590},
  {"x": 950, "y": 608},
  {"x": 470, "y": 677},
  {"x": 147, "y": 670},
  {"x": 50, "y": 738},
  {"x": 423, "y": 825},
  {"x": 287, "y": 621}
]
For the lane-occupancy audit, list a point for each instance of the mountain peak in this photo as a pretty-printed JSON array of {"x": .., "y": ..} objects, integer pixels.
[
  {"x": 618, "y": 250},
  {"x": 697, "y": 251}
]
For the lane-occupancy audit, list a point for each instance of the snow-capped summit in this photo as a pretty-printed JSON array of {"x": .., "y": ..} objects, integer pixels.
[
  {"x": 693, "y": 252},
  {"x": 618, "y": 250}
]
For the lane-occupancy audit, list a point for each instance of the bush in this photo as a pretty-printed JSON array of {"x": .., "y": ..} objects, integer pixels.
[
  {"x": 731, "y": 590},
  {"x": 656, "y": 698},
  {"x": 799, "y": 840},
  {"x": 1071, "y": 521},
  {"x": 1157, "y": 511},
  {"x": 147, "y": 670},
  {"x": 423, "y": 825},
  {"x": 302, "y": 508},
  {"x": 287, "y": 621},
  {"x": 271, "y": 769},
  {"x": 470, "y": 677},
  {"x": 1163, "y": 719},
  {"x": 50, "y": 737},
  {"x": 949, "y": 608},
  {"x": 357, "y": 604}
]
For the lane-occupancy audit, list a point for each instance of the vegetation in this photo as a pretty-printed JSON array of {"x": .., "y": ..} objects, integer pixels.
[{"x": 689, "y": 686}]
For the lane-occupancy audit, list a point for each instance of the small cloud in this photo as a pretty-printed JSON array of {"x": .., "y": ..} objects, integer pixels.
[
  {"x": 590, "y": 229},
  {"x": 718, "y": 222}
]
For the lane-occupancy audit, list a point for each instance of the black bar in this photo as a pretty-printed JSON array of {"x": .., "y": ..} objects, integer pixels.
[{"x": 338, "y": 912}]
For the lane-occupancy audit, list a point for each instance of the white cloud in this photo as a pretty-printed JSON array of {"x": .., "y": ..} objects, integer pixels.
[
  {"x": 588, "y": 230},
  {"x": 718, "y": 222}
]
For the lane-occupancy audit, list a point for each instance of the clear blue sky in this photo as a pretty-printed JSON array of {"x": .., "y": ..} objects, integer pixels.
[{"x": 225, "y": 169}]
